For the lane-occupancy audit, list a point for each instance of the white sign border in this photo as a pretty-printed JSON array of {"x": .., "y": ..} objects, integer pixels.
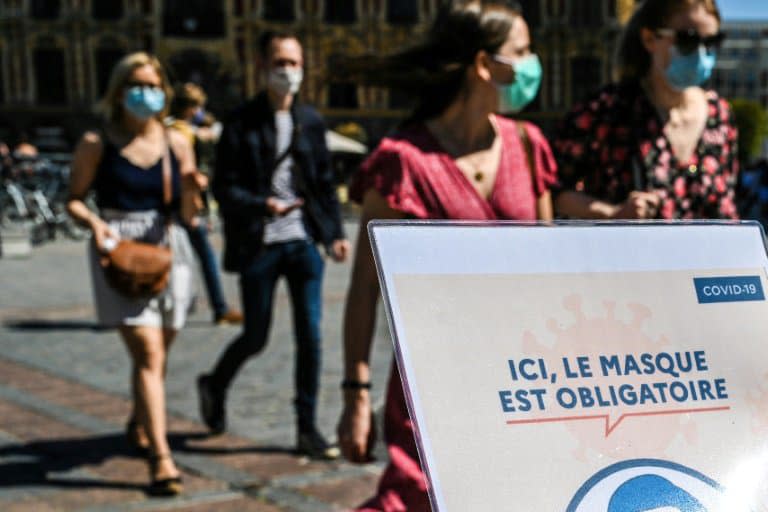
[{"x": 740, "y": 249}]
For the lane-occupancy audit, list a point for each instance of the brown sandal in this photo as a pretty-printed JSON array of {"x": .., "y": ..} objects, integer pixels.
[{"x": 170, "y": 486}]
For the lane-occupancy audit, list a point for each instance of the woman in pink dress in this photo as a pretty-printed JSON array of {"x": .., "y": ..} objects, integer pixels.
[{"x": 455, "y": 158}]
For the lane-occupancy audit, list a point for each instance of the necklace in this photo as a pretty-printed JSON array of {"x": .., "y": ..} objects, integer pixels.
[
  {"x": 478, "y": 174},
  {"x": 473, "y": 168}
]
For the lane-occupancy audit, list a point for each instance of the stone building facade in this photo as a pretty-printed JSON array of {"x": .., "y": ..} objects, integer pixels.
[{"x": 55, "y": 55}]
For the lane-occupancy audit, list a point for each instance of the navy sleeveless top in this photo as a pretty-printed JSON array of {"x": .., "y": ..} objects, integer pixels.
[{"x": 122, "y": 185}]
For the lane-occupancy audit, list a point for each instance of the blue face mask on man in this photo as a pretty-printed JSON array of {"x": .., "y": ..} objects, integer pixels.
[
  {"x": 692, "y": 69},
  {"x": 516, "y": 96},
  {"x": 144, "y": 102}
]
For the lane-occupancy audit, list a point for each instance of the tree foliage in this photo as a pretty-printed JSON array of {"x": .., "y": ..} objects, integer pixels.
[{"x": 752, "y": 122}]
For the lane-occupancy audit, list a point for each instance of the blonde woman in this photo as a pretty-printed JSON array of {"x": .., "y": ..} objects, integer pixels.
[{"x": 123, "y": 163}]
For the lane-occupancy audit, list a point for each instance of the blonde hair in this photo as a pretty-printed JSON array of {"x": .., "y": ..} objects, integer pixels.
[
  {"x": 187, "y": 95},
  {"x": 632, "y": 59},
  {"x": 111, "y": 104}
]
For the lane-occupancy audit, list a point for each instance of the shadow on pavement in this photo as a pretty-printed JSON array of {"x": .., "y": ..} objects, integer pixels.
[
  {"x": 183, "y": 442},
  {"x": 57, "y": 463},
  {"x": 46, "y": 463},
  {"x": 34, "y": 324}
]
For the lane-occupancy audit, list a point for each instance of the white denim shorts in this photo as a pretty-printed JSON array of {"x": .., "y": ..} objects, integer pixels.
[{"x": 169, "y": 308}]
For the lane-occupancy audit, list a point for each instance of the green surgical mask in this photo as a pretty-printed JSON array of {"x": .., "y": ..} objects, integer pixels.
[{"x": 516, "y": 96}]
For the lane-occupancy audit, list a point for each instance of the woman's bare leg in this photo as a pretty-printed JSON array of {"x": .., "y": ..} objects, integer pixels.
[{"x": 147, "y": 346}]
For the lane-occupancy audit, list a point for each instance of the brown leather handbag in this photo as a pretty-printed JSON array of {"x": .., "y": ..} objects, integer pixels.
[{"x": 138, "y": 269}]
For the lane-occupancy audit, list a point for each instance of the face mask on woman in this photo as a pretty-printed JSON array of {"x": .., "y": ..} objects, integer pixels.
[
  {"x": 516, "y": 96},
  {"x": 199, "y": 116},
  {"x": 690, "y": 70},
  {"x": 144, "y": 101},
  {"x": 285, "y": 80}
]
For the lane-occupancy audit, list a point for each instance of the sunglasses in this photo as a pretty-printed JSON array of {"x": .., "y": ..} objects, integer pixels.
[
  {"x": 132, "y": 84},
  {"x": 688, "y": 41}
]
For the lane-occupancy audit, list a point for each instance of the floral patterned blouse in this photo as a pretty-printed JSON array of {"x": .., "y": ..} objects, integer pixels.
[{"x": 614, "y": 143}]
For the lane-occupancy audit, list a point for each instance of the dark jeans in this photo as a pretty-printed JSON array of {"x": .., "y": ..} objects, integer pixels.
[
  {"x": 198, "y": 237},
  {"x": 302, "y": 266}
]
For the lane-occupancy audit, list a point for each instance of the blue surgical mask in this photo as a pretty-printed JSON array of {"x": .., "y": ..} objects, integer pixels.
[
  {"x": 690, "y": 70},
  {"x": 144, "y": 101},
  {"x": 199, "y": 116},
  {"x": 516, "y": 96}
]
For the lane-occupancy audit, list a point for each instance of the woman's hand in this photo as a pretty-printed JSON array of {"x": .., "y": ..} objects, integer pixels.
[
  {"x": 340, "y": 250},
  {"x": 639, "y": 205},
  {"x": 356, "y": 430},
  {"x": 101, "y": 233}
]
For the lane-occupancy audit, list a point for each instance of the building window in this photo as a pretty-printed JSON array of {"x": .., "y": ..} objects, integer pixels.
[
  {"x": 342, "y": 95},
  {"x": 146, "y": 6},
  {"x": 532, "y": 13},
  {"x": 194, "y": 19},
  {"x": 585, "y": 73},
  {"x": 279, "y": 10},
  {"x": 112, "y": 10},
  {"x": 583, "y": 13},
  {"x": 50, "y": 78},
  {"x": 45, "y": 9},
  {"x": 2, "y": 82},
  {"x": 340, "y": 11},
  {"x": 402, "y": 12},
  {"x": 106, "y": 58},
  {"x": 239, "y": 8},
  {"x": 400, "y": 100}
]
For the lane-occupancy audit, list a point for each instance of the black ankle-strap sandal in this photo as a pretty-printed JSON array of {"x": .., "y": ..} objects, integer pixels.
[{"x": 171, "y": 486}]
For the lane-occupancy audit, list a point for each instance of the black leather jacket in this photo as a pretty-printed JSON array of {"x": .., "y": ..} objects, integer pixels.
[{"x": 245, "y": 161}]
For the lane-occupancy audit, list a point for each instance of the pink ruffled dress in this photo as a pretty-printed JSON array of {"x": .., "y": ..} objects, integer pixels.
[{"x": 417, "y": 177}]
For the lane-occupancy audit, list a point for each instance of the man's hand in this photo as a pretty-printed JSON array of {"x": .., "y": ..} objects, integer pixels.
[
  {"x": 639, "y": 205},
  {"x": 278, "y": 208},
  {"x": 340, "y": 250}
]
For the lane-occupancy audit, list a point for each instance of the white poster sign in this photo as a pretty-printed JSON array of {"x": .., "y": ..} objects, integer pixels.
[{"x": 583, "y": 368}]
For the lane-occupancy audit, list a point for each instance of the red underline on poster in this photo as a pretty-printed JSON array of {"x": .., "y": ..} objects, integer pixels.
[{"x": 610, "y": 428}]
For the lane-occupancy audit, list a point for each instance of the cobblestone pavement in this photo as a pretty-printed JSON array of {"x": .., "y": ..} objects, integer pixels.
[{"x": 64, "y": 402}]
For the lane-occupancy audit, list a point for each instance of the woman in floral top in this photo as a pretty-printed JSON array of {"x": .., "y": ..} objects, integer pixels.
[{"x": 655, "y": 145}]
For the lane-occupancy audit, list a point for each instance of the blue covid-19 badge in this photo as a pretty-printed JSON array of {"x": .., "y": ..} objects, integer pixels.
[{"x": 648, "y": 485}]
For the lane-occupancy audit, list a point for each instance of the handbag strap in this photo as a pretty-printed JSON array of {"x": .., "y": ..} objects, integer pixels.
[
  {"x": 543, "y": 199},
  {"x": 167, "y": 186},
  {"x": 167, "y": 190}
]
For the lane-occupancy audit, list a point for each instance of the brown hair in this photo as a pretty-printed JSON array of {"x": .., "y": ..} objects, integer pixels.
[
  {"x": 185, "y": 96},
  {"x": 111, "y": 105},
  {"x": 264, "y": 42},
  {"x": 433, "y": 72},
  {"x": 632, "y": 59}
]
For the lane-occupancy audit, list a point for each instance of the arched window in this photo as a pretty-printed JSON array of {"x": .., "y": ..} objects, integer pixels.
[
  {"x": 112, "y": 10},
  {"x": 584, "y": 14},
  {"x": 106, "y": 58},
  {"x": 399, "y": 100},
  {"x": 341, "y": 94},
  {"x": 193, "y": 18},
  {"x": 340, "y": 11},
  {"x": 2, "y": 81},
  {"x": 279, "y": 10},
  {"x": 531, "y": 13},
  {"x": 585, "y": 74},
  {"x": 45, "y": 9},
  {"x": 50, "y": 77},
  {"x": 402, "y": 12}
]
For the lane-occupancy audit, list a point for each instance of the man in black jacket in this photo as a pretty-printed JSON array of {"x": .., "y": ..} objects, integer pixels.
[{"x": 274, "y": 185}]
